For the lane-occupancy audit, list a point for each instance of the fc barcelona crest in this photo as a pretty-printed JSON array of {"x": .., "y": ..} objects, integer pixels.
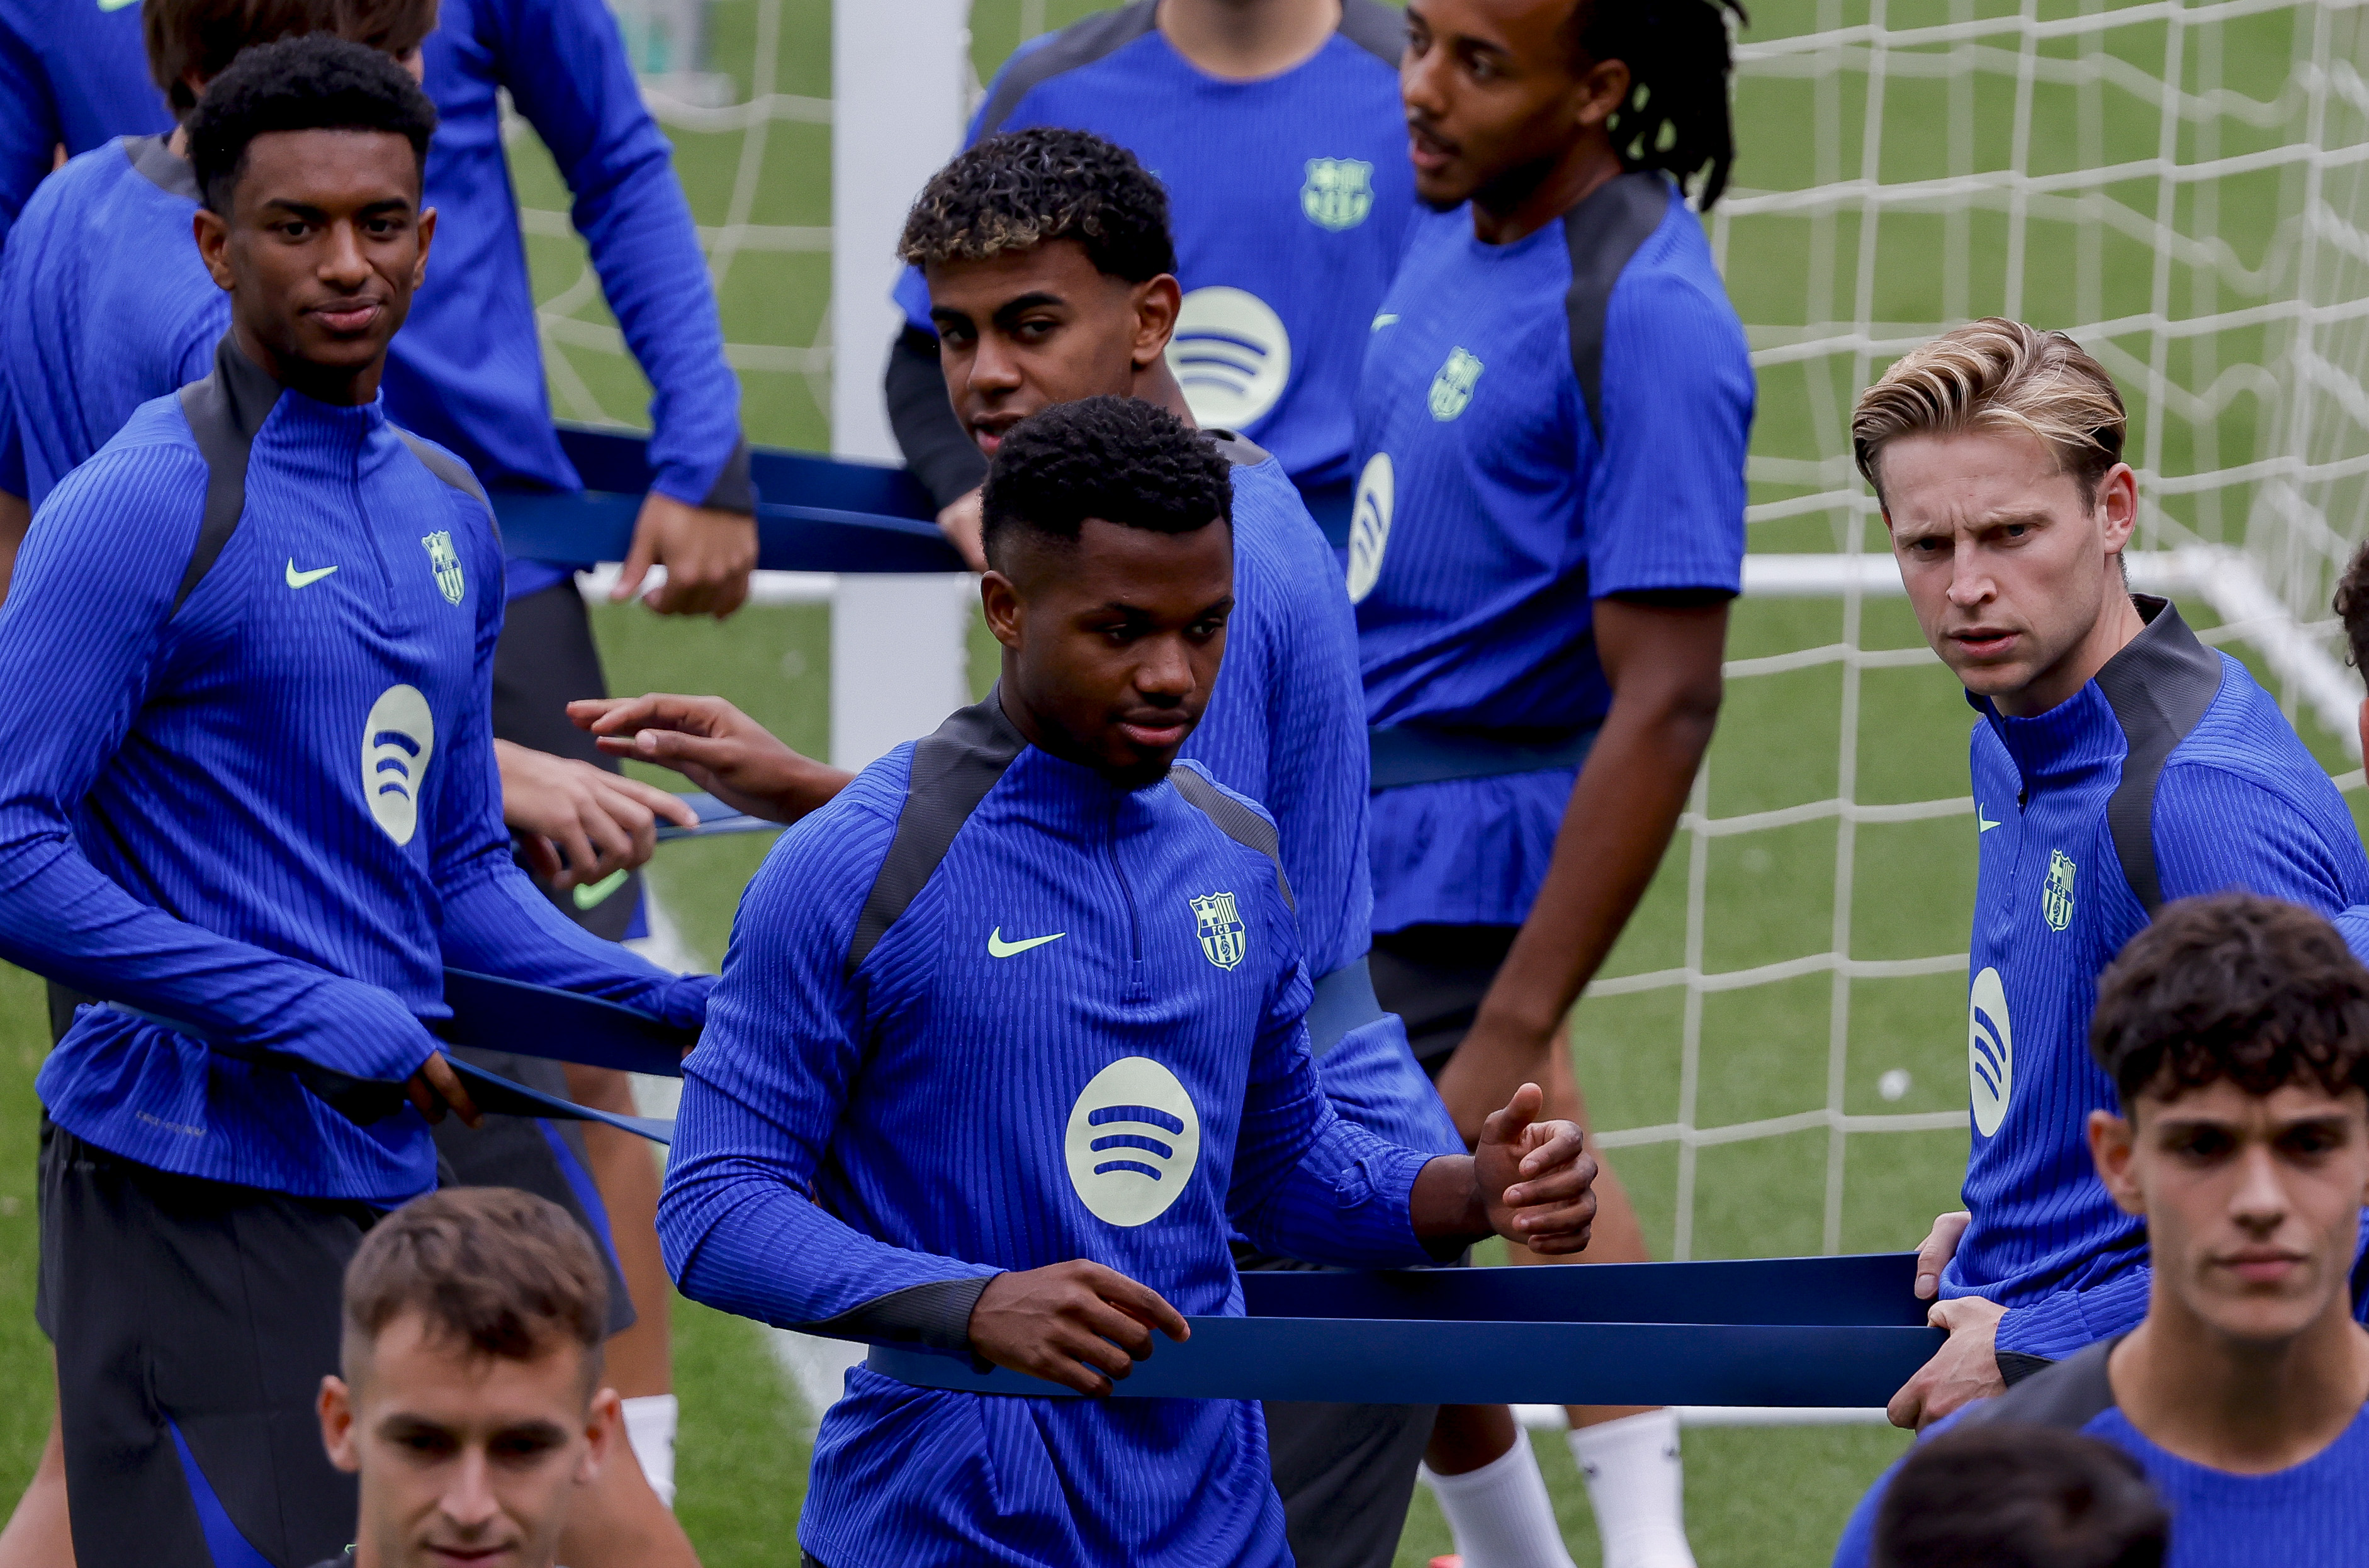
[
  {"x": 447, "y": 562},
  {"x": 1221, "y": 928},
  {"x": 2056, "y": 896},
  {"x": 1451, "y": 389},
  {"x": 1339, "y": 194}
]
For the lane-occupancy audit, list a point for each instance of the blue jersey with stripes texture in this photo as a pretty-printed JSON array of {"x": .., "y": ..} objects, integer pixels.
[
  {"x": 269, "y": 811},
  {"x": 2176, "y": 744},
  {"x": 1288, "y": 202},
  {"x": 1540, "y": 425},
  {"x": 1081, "y": 1038}
]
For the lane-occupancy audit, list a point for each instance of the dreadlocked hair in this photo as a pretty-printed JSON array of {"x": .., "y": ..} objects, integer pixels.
[{"x": 1676, "y": 117}]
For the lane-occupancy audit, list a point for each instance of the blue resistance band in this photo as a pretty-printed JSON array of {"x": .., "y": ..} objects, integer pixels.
[
  {"x": 1806, "y": 1332},
  {"x": 715, "y": 818}
]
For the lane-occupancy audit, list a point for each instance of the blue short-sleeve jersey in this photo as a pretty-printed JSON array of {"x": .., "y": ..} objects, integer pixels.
[
  {"x": 1540, "y": 425},
  {"x": 71, "y": 75},
  {"x": 1288, "y": 199},
  {"x": 104, "y": 303},
  {"x": 2170, "y": 775}
]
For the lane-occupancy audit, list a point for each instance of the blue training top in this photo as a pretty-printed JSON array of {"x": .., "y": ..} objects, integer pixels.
[
  {"x": 259, "y": 796},
  {"x": 74, "y": 75},
  {"x": 1286, "y": 727},
  {"x": 1289, "y": 201},
  {"x": 2169, "y": 775},
  {"x": 987, "y": 1011},
  {"x": 104, "y": 304},
  {"x": 466, "y": 371},
  {"x": 1540, "y": 425},
  {"x": 2313, "y": 1514}
]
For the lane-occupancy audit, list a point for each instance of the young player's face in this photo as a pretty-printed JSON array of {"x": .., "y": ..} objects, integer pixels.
[
  {"x": 2252, "y": 1202},
  {"x": 1112, "y": 645},
  {"x": 465, "y": 1460},
  {"x": 1494, "y": 97},
  {"x": 1021, "y": 331},
  {"x": 2010, "y": 569},
  {"x": 322, "y": 247}
]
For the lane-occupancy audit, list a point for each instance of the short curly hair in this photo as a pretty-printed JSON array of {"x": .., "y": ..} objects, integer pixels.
[
  {"x": 1119, "y": 459},
  {"x": 1030, "y": 188},
  {"x": 2233, "y": 986},
  {"x": 316, "y": 82}
]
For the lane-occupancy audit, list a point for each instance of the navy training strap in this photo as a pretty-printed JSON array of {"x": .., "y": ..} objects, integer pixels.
[
  {"x": 505, "y": 1098},
  {"x": 1344, "y": 1001},
  {"x": 1795, "y": 1332},
  {"x": 496, "y": 1015},
  {"x": 715, "y": 818},
  {"x": 1414, "y": 754}
]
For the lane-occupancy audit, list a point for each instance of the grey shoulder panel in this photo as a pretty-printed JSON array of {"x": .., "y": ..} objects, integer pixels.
[
  {"x": 1080, "y": 43},
  {"x": 1239, "y": 451},
  {"x": 1381, "y": 30},
  {"x": 1603, "y": 233},
  {"x": 224, "y": 410},
  {"x": 152, "y": 157},
  {"x": 936, "y": 1315},
  {"x": 952, "y": 771},
  {"x": 2070, "y": 1394},
  {"x": 1237, "y": 821},
  {"x": 453, "y": 471},
  {"x": 2159, "y": 688}
]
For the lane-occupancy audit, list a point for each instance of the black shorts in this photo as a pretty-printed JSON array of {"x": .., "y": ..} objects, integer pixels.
[
  {"x": 1434, "y": 977},
  {"x": 194, "y": 1321},
  {"x": 545, "y": 661},
  {"x": 1345, "y": 1473}
]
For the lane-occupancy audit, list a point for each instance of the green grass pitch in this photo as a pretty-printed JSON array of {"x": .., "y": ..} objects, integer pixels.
[{"x": 1754, "y": 1497}]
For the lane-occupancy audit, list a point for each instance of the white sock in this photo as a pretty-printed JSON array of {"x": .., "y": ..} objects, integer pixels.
[
  {"x": 1500, "y": 1514},
  {"x": 649, "y": 1430},
  {"x": 1636, "y": 1482}
]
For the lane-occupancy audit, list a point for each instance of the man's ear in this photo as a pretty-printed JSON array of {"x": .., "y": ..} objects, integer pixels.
[
  {"x": 1005, "y": 613},
  {"x": 604, "y": 1420},
  {"x": 213, "y": 246},
  {"x": 2118, "y": 506},
  {"x": 2112, "y": 1141},
  {"x": 1602, "y": 92},
  {"x": 1157, "y": 305},
  {"x": 427, "y": 238},
  {"x": 335, "y": 1405}
]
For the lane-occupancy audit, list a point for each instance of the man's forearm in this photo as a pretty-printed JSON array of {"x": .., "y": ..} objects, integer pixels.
[{"x": 1445, "y": 1203}]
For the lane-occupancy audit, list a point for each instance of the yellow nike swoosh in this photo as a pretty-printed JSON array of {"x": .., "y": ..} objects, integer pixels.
[
  {"x": 115, "y": 5},
  {"x": 999, "y": 948},
  {"x": 594, "y": 895},
  {"x": 305, "y": 579}
]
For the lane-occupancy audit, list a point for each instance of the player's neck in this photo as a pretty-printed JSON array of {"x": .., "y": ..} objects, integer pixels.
[
  {"x": 2247, "y": 1407},
  {"x": 1244, "y": 41},
  {"x": 323, "y": 384},
  {"x": 1520, "y": 202},
  {"x": 1157, "y": 385}
]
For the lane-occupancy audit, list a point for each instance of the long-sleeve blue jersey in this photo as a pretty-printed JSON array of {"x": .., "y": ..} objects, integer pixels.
[
  {"x": 1289, "y": 198},
  {"x": 104, "y": 304},
  {"x": 1541, "y": 425},
  {"x": 65, "y": 83},
  {"x": 987, "y": 1011},
  {"x": 466, "y": 371},
  {"x": 1286, "y": 728},
  {"x": 258, "y": 795},
  {"x": 2170, "y": 775}
]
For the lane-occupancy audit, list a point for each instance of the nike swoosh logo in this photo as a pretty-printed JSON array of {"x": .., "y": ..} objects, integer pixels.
[
  {"x": 1386, "y": 318},
  {"x": 1982, "y": 823},
  {"x": 305, "y": 579},
  {"x": 999, "y": 948},
  {"x": 593, "y": 896},
  {"x": 115, "y": 5}
]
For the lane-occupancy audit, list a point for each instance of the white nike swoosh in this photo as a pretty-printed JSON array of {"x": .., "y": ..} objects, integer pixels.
[
  {"x": 305, "y": 579},
  {"x": 1983, "y": 824},
  {"x": 999, "y": 948},
  {"x": 1385, "y": 319}
]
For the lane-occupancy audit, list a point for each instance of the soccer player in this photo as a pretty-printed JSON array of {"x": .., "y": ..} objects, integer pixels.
[
  {"x": 2009, "y": 1495},
  {"x": 257, "y": 818},
  {"x": 1051, "y": 279},
  {"x": 468, "y": 1404},
  {"x": 1275, "y": 126},
  {"x": 2235, "y": 1031},
  {"x": 1037, "y": 919},
  {"x": 1552, "y": 425},
  {"x": 2118, "y": 763}
]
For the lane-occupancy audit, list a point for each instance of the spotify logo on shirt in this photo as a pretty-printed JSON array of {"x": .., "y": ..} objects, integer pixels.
[
  {"x": 1369, "y": 524},
  {"x": 1133, "y": 1141},
  {"x": 1990, "y": 1051},
  {"x": 397, "y": 739},
  {"x": 1231, "y": 355}
]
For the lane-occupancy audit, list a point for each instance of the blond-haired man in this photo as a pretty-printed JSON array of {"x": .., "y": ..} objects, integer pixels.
[{"x": 2118, "y": 763}]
